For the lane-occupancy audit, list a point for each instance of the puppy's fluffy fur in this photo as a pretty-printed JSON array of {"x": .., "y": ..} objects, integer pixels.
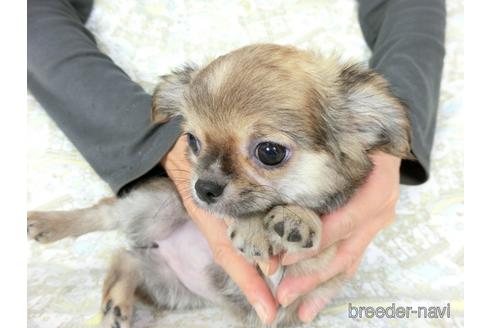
[{"x": 325, "y": 116}]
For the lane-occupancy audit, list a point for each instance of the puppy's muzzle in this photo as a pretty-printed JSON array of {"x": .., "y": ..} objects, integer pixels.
[{"x": 208, "y": 191}]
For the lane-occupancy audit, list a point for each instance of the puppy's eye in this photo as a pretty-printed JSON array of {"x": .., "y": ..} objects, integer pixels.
[
  {"x": 270, "y": 153},
  {"x": 193, "y": 143}
]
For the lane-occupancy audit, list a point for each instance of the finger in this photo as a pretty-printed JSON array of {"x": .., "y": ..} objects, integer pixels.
[
  {"x": 349, "y": 252},
  {"x": 339, "y": 225},
  {"x": 369, "y": 201},
  {"x": 310, "y": 307},
  {"x": 241, "y": 272},
  {"x": 291, "y": 287},
  {"x": 350, "y": 272},
  {"x": 180, "y": 146},
  {"x": 249, "y": 281},
  {"x": 335, "y": 227},
  {"x": 176, "y": 157},
  {"x": 291, "y": 258},
  {"x": 367, "y": 233},
  {"x": 270, "y": 267}
]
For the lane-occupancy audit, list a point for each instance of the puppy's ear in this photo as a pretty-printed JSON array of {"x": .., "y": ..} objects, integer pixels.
[
  {"x": 167, "y": 100},
  {"x": 378, "y": 119}
]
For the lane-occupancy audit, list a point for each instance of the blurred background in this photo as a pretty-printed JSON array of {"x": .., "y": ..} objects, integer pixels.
[{"x": 418, "y": 261}]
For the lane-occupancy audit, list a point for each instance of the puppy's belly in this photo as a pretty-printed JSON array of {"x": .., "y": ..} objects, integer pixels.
[{"x": 187, "y": 253}]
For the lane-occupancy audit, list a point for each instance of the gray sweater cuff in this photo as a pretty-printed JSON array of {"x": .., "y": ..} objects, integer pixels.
[{"x": 147, "y": 164}]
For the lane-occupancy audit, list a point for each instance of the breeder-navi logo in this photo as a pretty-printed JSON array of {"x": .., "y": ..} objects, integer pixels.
[{"x": 399, "y": 312}]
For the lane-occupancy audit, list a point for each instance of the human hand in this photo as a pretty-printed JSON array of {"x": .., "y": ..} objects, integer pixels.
[
  {"x": 214, "y": 229},
  {"x": 353, "y": 227}
]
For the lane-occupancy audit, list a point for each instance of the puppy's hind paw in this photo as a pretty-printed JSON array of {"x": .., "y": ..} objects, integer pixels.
[
  {"x": 294, "y": 228},
  {"x": 119, "y": 288},
  {"x": 44, "y": 227},
  {"x": 114, "y": 315}
]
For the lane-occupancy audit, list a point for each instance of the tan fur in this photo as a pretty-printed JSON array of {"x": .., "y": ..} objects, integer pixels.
[
  {"x": 328, "y": 114},
  {"x": 323, "y": 110}
]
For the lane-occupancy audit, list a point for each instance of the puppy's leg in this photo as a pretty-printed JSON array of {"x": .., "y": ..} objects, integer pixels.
[
  {"x": 50, "y": 226},
  {"x": 150, "y": 212},
  {"x": 142, "y": 274},
  {"x": 293, "y": 228},
  {"x": 120, "y": 285}
]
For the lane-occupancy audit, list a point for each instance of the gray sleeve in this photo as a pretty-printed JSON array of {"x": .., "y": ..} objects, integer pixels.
[
  {"x": 407, "y": 42},
  {"x": 98, "y": 107}
]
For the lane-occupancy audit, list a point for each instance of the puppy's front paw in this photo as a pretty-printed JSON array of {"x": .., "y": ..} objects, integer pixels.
[
  {"x": 44, "y": 227},
  {"x": 250, "y": 237},
  {"x": 294, "y": 228}
]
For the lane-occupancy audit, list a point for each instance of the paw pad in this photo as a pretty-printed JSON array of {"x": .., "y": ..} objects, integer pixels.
[
  {"x": 114, "y": 316},
  {"x": 108, "y": 307},
  {"x": 294, "y": 236},
  {"x": 279, "y": 228},
  {"x": 293, "y": 228}
]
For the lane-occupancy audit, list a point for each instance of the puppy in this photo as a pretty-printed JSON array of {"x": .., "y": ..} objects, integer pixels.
[{"x": 277, "y": 136}]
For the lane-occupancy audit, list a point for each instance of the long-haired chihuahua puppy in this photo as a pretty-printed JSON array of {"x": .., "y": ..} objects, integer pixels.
[{"x": 277, "y": 136}]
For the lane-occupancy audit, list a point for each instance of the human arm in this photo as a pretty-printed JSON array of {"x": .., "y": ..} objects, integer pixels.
[
  {"x": 407, "y": 43},
  {"x": 107, "y": 117},
  {"x": 98, "y": 107}
]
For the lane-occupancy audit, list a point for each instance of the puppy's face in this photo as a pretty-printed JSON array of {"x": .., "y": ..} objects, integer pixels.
[{"x": 269, "y": 125}]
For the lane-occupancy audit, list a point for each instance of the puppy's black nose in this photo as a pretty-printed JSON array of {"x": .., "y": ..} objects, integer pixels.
[{"x": 208, "y": 191}]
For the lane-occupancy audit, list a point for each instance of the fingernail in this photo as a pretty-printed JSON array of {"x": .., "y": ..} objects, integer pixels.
[
  {"x": 289, "y": 260},
  {"x": 288, "y": 299},
  {"x": 261, "y": 311},
  {"x": 265, "y": 268},
  {"x": 284, "y": 260},
  {"x": 308, "y": 317},
  {"x": 312, "y": 309}
]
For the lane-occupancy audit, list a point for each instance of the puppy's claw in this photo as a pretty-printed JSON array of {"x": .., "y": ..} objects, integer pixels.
[
  {"x": 279, "y": 228},
  {"x": 108, "y": 307}
]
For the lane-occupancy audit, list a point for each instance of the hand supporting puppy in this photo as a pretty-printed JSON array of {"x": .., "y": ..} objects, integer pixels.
[
  {"x": 354, "y": 226},
  {"x": 243, "y": 273}
]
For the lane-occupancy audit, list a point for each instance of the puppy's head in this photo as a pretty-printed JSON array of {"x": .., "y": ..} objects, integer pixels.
[{"x": 270, "y": 125}]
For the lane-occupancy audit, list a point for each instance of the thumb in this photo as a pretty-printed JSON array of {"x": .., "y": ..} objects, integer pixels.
[{"x": 270, "y": 267}]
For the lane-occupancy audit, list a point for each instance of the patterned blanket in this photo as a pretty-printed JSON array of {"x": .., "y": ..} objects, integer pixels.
[{"x": 418, "y": 261}]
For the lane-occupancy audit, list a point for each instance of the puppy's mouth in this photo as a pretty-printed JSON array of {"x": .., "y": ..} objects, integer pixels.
[
  {"x": 243, "y": 210},
  {"x": 231, "y": 206}
]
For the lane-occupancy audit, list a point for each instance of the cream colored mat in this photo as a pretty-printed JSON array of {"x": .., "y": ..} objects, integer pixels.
[{"x": 417, "y": 261}]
